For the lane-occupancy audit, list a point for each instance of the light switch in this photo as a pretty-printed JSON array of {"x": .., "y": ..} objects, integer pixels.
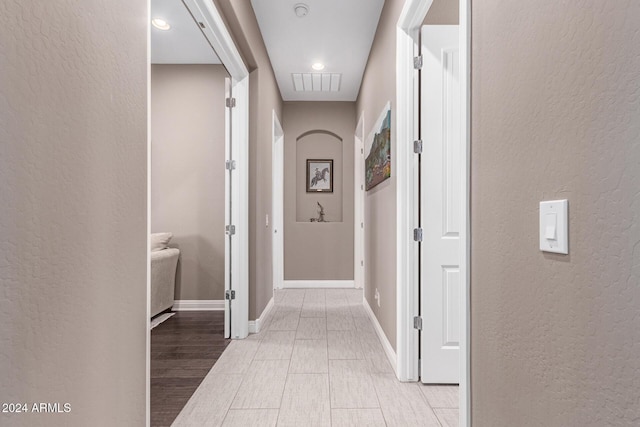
[
  {"x": 550, "y": 229},
  {"x": 554, "y": 232}
]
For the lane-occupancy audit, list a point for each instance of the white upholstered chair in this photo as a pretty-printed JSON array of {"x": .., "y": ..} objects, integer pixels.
[{"x": 164, "y": 262}]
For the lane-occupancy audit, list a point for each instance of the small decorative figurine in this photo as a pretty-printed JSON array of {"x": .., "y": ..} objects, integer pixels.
[{"x": 320, "y": 214}]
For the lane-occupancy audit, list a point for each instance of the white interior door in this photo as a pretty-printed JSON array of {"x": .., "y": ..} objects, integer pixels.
[
  {"x": 442, "y": 204},
  {"x": 277, "y": 219},
  {"x": 227, "y": 212},
  {"x": 358, "y": 226},
  {"x": 205, "y": 13}
]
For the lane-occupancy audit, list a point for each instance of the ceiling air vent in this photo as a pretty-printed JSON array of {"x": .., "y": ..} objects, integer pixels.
[{"x": 316, "y": 82}]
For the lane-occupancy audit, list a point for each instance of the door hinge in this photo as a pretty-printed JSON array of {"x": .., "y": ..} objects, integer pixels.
[
  {"x": 417, "y": 146},
  {"x": 417, "y": 323},
  {"x": 229, "y": 294},
  {"x": 230, "y": 164},
  {"x": 417, "y": 234},
  {"x": 230, "y": 230},
  {"x": 417, "y": 62},
  {"x": 230, "y": 102}
]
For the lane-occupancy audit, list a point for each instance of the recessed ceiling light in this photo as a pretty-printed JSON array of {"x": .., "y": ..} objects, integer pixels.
[
  {"x": 160, "y": 24},
  {"x": 318, "y": 66},
  {"x": 301, "y": 10}
]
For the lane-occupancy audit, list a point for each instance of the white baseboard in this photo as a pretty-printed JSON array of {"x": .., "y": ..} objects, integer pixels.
[
  {"x": 321, "y": 284},
  {"x": 198, "y": 305},
  {"x": 253, "y": 326},
  {"x": 256, "y": 325},
  {"x": 388, "y": 349}
]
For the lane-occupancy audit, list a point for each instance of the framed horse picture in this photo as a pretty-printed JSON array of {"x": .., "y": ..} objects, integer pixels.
[{"x": 320, "y": 176}]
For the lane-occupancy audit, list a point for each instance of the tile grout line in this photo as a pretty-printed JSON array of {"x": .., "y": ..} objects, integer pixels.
[
  {"x": 326, "y": 331},
  {"x": 375, "y": 390},
  {"x": 244, "y": 377},
  {"x": 286, "y": 378},
  {"x": 424, "y": 398}
]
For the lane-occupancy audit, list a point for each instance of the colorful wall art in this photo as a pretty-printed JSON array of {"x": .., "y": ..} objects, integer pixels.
[{"x": 378, "y": 161}]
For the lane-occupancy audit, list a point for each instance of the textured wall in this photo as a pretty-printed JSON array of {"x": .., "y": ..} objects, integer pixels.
[
  {"x": 264, "y": 98},
  {"x": 555, "y": 114},
  {"x": 187, "y": 172},
  {"x": 73, "y": 252},
  {"x": 318, "y": 251}
]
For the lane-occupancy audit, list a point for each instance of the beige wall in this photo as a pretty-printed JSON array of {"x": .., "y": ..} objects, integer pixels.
[
  {"x": 378, "y": 88},
  {"x": 555, "y": 114},
  {"x": 264, "y": 98},
  {"x": 73, "y": 252},
  {"x": 318, "y": 251},
  {"x": 187, "y": 172},
  {"x": 443, "y": 12}
]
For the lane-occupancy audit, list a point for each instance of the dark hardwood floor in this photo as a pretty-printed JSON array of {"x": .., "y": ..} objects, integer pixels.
[{"x": 183, "y": 350}]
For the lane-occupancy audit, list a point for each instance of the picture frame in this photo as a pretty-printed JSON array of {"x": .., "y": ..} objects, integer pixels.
[{"x": 319, "y": 175}]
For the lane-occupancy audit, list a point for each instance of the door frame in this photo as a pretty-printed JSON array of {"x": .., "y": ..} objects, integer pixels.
[
  {"x": 214, "y": 29},
  {"x": 358, "y": 208},
  {"x": 277, "y": 204},
  {"x": 407, "y": 47}
]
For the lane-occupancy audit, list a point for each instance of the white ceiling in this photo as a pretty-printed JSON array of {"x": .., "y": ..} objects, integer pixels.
[
  {"x": 184, "y": 43},
  {"x": 338, "y": 33}
]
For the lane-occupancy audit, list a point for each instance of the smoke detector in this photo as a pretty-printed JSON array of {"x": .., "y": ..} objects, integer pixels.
[{"x": 301, "y": 10}]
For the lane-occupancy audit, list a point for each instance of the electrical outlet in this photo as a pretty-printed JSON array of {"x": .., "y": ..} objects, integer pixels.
[
  {"x": 377, "y": 297},
  {"x": 266, "y": 221}
]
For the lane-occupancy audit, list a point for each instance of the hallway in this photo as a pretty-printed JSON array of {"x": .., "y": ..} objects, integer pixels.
[{"x": 317, "y": 361}]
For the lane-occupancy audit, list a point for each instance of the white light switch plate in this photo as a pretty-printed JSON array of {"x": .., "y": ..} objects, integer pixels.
[{"x": 554, "y": 226}]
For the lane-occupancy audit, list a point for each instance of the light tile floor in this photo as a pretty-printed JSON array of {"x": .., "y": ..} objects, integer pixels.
[{"x": 316, "y": 362}]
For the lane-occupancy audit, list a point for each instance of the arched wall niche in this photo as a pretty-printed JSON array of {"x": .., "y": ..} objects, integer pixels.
[
  {"x": 319, "y": 144},
  {"x": 322, "y": 131},
  {"x": 312, "y": 250}
]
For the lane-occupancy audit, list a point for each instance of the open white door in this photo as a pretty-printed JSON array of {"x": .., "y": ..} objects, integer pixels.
[
  {"x": 442, "y": 206},
  {"x": 227, "y": 213},
  {"x": 205, "y": 13},
  {"x": 277, "y": 214},
  {"x": 358, "y": 211}
]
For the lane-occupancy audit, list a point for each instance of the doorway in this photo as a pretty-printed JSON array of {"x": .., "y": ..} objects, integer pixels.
[
  {"x": 409, "y": 335},
  {"x": 232, "y": 170},
  {"x": 212, "y": 26},
  {"x": 277, "y": 215}
]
